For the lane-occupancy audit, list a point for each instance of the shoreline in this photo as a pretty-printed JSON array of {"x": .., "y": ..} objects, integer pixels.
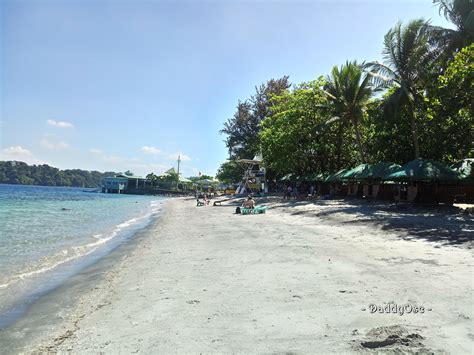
[
  {"x": 294, "y": 279},
  {"x": 36, "y": 271},
  {"x": 65, "y": 288}
]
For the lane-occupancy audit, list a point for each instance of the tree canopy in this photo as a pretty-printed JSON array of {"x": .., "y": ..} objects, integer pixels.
[
  {"x": 15, "y": 172},
  {"x": 417, "y": 102}
]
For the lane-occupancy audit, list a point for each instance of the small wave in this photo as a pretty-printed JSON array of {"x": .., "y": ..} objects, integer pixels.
[
  {"x": 126, "y": 224},
  {"x": 52, "y": 262},
  {"x": 72, "y": 253}
]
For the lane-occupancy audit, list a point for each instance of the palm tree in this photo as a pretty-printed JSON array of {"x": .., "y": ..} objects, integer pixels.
[
  {"x": 349, "y": 89},
  {"x": 461, "y": 14},
  {"x": 152, "y": 178},
  {"x": 408, "y": 59}
]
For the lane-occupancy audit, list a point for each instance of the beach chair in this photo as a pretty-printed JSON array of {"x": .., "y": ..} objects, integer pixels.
[
  {"x": 219, "y": 202},
  {"x": 256, "y": 210}
]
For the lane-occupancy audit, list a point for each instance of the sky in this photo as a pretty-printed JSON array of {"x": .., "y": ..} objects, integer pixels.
[{"x": 130, "y": 85}]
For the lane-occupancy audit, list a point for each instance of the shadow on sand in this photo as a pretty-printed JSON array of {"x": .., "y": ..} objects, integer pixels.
[{"x": 444, "y": 225}]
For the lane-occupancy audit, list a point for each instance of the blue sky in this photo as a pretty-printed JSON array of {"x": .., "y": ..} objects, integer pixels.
[{"x": 117, "y": 85}]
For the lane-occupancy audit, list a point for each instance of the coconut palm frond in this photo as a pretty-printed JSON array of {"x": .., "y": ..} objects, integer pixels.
[{"x": 381, "y": 75}]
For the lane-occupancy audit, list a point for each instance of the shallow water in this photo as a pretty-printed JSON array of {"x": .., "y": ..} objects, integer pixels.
[{"x": 49, "y": 233}]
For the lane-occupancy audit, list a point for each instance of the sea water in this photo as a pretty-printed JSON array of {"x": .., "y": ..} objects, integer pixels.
[{"x": 49, "y": 233}]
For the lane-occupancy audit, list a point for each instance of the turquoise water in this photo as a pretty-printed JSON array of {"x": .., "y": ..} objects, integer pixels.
[{"x": 47, "y": 233}]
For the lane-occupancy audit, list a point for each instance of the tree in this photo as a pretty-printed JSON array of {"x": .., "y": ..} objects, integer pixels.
[
  {"x": 243, "y": 128},
  {"x": 15, "y": 172},
  {"x": 349, "y": 90},
  {"x": 230, "y": 172},
  {"x": 461, "y": 14},
  {"x": 152, "y": 178},
  {"x": 449, "y": 108},
  {"x": 408, "y": 60},
  {"x": 300, "y": 138}
]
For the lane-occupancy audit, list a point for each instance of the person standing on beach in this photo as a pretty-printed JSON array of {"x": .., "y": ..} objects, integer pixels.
[{"x": 295, "y": 192}]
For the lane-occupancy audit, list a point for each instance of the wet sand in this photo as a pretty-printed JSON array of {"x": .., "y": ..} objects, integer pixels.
[{"x": 298, "y": 279}]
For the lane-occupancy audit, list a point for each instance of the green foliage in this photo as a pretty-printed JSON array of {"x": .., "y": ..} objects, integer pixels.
[
  {"x": 388, "y": 135},
  {"x": 324, "y": 125},
  {"x": 444, "y": 116},
  {"x": 243, "y": 128},
  {"x": 409, "y": 59},
  {"x": 301, "y": 136},
  {"x": 15, "y": 172},
  {"x": 461, "y": 14},
  {"x": 153, "y": 179},
  {"x": 449, "y": 110},
  {"x": 349, "y": 89},
  {"x": 230, "y": 172}
]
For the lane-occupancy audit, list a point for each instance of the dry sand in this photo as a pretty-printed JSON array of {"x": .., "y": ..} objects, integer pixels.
[{"x": 294, "y": 280}]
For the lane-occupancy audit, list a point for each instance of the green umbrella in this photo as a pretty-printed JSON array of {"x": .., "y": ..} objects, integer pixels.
[
  {"x": 465, "y": 169},
  {"x": 351, "y": 174},
  {"x": 423, "y": 170},
  {"x": 336, "y": 177},
  {"x": 378, "y": 171}
]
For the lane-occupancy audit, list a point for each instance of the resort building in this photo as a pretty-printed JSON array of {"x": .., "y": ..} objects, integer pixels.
[{"x": 122, "y": 183}]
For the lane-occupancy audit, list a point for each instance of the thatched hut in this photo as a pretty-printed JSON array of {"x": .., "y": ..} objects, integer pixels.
[
  {"x": 423, "y": 181},
  {"x": 335, "y": 183},
  {"x": 350, "y": 176},
  {"x": 372, "y": 180}
]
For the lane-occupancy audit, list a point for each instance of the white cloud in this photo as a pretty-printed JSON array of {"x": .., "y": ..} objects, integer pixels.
[
  {"x": 48, "y": 144},
  {"x": 17, "y": 151},
  {"x": 144, "y": 169},
  {"x": 182, "y": 156},
  {"x": 150, "y": 150},
  {"x": 20, "y": 154},
  {"x": 60, "y": 124},
  {"x": 111, "y": 158}
]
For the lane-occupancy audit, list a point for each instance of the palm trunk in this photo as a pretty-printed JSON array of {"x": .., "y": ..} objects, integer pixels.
[
  {"x": 359, "y": 142},
  {"x": 414, "y": 132},
  {"x": 339, "y": 146}
]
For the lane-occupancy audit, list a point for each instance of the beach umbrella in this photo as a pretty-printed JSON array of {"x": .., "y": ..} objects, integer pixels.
[
  {"x": 336, "y": 177},
  {"x": 423, "y": 170},
  {"x": 183, "y": 179},
  {"x": 352, "y": 173},
  {"x": 377, "y": 171},
  {"x": 206, "y": 182},
  {"x": 465, "y": 169}
]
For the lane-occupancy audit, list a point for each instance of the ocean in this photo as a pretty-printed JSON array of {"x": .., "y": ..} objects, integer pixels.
[{"x": 48, "y": 234}]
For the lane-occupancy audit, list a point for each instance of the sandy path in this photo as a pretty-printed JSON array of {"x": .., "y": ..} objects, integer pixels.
[{"x": 206, "y": 280}]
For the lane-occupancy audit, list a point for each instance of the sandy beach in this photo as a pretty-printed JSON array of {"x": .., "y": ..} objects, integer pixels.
[{"x": 299, "y": 279}]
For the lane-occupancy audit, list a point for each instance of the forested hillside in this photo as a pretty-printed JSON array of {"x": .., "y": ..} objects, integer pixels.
[{"x": 15, "y": 172}]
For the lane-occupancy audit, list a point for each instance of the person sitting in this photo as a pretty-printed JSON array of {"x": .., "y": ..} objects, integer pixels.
[{"x": 249, "y": 203}]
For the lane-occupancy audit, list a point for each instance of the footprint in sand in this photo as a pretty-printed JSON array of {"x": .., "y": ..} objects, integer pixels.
[
  {"x": 395, "y": 337},
  {"x": 193, "y": 302}
]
